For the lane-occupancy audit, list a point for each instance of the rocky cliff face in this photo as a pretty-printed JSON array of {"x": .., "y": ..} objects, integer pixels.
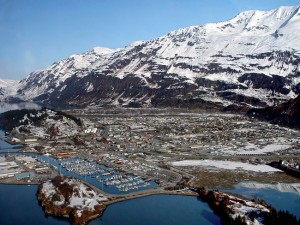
[
  {"x": 287, "y": 113},
  {"x": 252, "y": 59}
]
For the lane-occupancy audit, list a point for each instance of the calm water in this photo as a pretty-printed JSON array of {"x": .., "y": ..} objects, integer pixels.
[
  {"x": 19, "y": 205},
  {"x": 5, "y": 147},
  {"x": 21, "y": 200},
  {"x": 90, "y": 179},
  {"x": 280, "y": 200},
  {"x": 159, "y": 210}
]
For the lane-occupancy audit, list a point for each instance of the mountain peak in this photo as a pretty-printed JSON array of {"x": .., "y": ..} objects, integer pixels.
[
  {"x": 251, "y": 58},
  {"x": 102, "y": 50}
]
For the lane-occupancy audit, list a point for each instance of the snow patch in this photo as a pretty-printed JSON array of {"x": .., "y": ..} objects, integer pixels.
[{"x": 229, "y": 165}]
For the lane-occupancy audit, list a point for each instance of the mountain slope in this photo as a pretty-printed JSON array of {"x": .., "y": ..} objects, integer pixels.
[
  {"x": 251, "y": 59},
  {"x": 287, "y": 114},
  {"x": 8, "y": 88}
]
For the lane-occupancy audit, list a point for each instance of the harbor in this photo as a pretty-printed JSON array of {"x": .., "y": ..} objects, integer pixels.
[{"x": 107, "y": 177}]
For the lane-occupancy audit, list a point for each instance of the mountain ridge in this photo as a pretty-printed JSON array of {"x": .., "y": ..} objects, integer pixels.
[{"x": 251, "y": 59}]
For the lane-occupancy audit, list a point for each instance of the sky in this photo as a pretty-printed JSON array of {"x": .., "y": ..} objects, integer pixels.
[{"x": 36, "y": 33}]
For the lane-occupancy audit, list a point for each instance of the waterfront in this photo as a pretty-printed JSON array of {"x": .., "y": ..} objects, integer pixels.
[
  {"x": 279, "y": 196},
  {"x": 98, "y": 177},
  {"x": 19, "y": 205},
  {"x": 21, "y": 200},
  {"x": 4, "y": 146},
  {"x": 155, "y": 209},
  {"x": 158, "y": 210}
]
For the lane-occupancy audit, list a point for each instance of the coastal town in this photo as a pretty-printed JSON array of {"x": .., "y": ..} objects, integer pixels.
[
  {"x": 148, "y": 142},
  {"x": 128, "y": 153}
]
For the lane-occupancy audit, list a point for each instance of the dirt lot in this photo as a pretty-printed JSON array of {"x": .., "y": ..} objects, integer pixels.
[{"x": 225, "y": 179}]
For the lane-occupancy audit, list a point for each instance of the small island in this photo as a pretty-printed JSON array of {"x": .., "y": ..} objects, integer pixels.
[
  {"x": 235, "y": 210},
  {"x": 70, "y": 198},
  {"x": 119, "y": 152}
]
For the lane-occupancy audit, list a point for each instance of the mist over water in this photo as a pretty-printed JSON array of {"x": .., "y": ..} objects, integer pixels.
[{"x": 4, "y": 107}]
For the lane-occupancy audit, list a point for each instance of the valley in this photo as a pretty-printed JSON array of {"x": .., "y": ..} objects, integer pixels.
[
  {"x": 173, "y": 147},
  {"x": 125, "y": 154},
  {"x": 193, "y": 119}
]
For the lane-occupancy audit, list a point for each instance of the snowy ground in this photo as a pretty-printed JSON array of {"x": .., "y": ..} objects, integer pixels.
[
  {"x": 282, "y": 187},
  {"x": 8, "y": 168},
  {"x": 229, "y": 165},
  {"x": 65, "y": 126},
  {"x": 251, "y": 148},
  {"x": 256, "y": 147},
  {"x": 83, "y": 197},
  {"x": 8, "y": 87},
  {"x": 242, "y": 208}
]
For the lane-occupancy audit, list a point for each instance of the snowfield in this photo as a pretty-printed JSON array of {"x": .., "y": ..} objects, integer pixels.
[
  {"x": 282, "y": 187},
  {"x": 243, "y": 208},
  {"x": 83, "y": 197},
  {"x": 8, "y": 87},
  {"x": 229, "y": 165},
  {"x": 254, "y": 43},
  {"x": 65, "y": 127}
]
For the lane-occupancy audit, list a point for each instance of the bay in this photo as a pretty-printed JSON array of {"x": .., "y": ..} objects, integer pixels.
[
  {"x": 159, "y": 210},
  {"x": 19, "y": 205}
]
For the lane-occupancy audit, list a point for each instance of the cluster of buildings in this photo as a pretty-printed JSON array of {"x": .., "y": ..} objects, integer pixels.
[
  {"x": 21, "y": 167},
  {"x": 143, "y": 142}
]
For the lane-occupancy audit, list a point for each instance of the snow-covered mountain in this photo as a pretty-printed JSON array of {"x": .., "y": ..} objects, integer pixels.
[
  {"x": 253, "y": 59},
  {"x": 8, "y": 88}
]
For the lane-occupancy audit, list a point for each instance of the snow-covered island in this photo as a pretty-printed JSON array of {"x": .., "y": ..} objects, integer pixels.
[
  {"x": 240, "y": 211},
  {"x": 70, "y": 198}
]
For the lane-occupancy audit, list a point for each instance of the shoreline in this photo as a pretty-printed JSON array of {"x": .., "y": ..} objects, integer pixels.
[
  {"x": 228, "y": 188},
  {"x": 113, "y": 199},
  {"x": 238, "y": 209},
  {"x": 71, "y": 213}
]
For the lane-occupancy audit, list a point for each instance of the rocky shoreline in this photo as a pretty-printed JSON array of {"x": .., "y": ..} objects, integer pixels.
[
  {"x": 57, "y": 199},
  {"x": 80, "y": 203},
  {"x": 235, "y": 210},
  {"x": 69, "y": 198}
]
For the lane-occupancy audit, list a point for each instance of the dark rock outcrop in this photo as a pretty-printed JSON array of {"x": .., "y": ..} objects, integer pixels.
[{"x": 287, "y": 114}]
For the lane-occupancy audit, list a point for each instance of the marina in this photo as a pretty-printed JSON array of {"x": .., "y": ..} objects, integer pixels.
[
  {"x": 106, "y": 177},
  {"x": 102, "y": 177},
  {"x": 123, "y": 176}
]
